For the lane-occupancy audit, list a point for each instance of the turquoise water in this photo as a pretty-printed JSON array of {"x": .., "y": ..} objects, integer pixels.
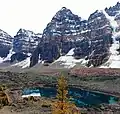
[{"x": 79, "y": 97}]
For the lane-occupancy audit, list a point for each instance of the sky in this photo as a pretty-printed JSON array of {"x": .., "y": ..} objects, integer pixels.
[{"x": 36, "y": 14}]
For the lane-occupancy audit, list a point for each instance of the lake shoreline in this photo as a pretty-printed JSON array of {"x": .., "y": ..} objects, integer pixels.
[{"x": 16, "y": 82}]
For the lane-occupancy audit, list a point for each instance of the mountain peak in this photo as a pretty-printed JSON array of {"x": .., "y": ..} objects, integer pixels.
[
  {"x": 112, "y": 11},
  {"x": 64, "y": 22},
  {"x": 64, "y": 13},
  {"x": 4, "y": 34},
  {"x": 25, "y": 41},
  {"x": 63, "y": 8},
  {"x": 118, "y": 4},
  {"x": 24, "y": 31},
  {"x": 67, "y": 31}
]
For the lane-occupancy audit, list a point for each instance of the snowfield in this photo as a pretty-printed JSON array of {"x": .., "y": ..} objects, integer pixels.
[
  {"x": 8, "y": 58},
  {"x": 68, "y": 61},
  {"x": 114, "y": 60},
  {"x": 24, "y": 64}
]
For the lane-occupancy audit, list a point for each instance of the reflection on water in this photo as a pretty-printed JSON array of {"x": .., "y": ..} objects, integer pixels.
[{"x": 76, "y": 95}]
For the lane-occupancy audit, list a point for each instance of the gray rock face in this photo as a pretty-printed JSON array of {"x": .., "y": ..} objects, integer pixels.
[
  {"x": 112, "y": 11},
  {"x": 25, "y": 41},
  {"x": 100, "y": 37},
  {"x": 91, "y": 38},
  {"x": 24, "y": 44},
  {"x": 5, "y": 43},
  {"x": 64, "y": 23},
  {"x": 66, "y": 31}
]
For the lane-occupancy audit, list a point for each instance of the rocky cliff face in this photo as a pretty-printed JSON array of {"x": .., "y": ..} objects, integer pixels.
[
  {"x": 112, "y": 11},
  {"x": 90, "y": 38},
  {"x": 5, "y": 43},
  {"x": 25, "y": 41},
  {"x": 115, "y": 13},
  {"x": 95, "y": 40},
  {"x": 100, "y": 36},
  {"x": 24, "y": 44}
]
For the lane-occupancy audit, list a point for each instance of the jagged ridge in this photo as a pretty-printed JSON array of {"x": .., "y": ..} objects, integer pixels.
[{"x": 89, "y": 38}]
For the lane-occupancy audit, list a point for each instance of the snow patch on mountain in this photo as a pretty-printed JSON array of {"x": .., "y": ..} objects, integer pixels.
[
  {"x": 71, "y": 52},
  {"x": 8, "y": 58},
  {"x": 1, "y": 59},
  {"x": 114, "y": 59},
  {"x": 68, "y": 61},
  {"x": 24, "y": 64},
  {"x": 111, "y": 19}
]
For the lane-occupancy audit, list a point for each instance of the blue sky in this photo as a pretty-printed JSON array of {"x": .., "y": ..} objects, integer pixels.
[{"x": 35, "y": 14}]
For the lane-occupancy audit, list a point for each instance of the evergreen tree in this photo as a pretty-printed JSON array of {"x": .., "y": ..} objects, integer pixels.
[{"x": 62, "y": 105}]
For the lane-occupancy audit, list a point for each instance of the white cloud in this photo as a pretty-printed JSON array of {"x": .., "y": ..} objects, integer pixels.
[{"x": 35, "y": 14}]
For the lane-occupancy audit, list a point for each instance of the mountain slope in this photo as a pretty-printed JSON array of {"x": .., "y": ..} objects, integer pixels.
[
  {"x": 67, "y": 31},
  {"x": 5, "y": 44},
  {"x": 24, "y": 43},
  {"x": 114, "y": 59},
  {"x": 68, "y": 61},
  {"x": 69, "y": 41},
  {"x": 114, "y": 49},
  {"x": 19, "y": 48}
]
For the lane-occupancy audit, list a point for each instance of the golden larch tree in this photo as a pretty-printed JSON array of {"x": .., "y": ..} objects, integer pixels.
[
  {"x": 62, "y": 105},
  {"x": 3, "y": 96}
]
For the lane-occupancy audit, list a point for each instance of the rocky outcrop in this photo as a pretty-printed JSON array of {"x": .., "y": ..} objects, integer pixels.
[
  {"x": 100, "y": 37},
  {"x": 18, "y": 57},
  {"x": 112, "y": 11},
  {"x": 25, "y": 41},
  {"x": 24, "y": 44},
  {"x": 115, "y": 13},
  {"x": 57, "y": 37},
  {"x": 5, "y": 43},
  {"x": 67, "y": 31},
  {"x": 91, "y": 39}
]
